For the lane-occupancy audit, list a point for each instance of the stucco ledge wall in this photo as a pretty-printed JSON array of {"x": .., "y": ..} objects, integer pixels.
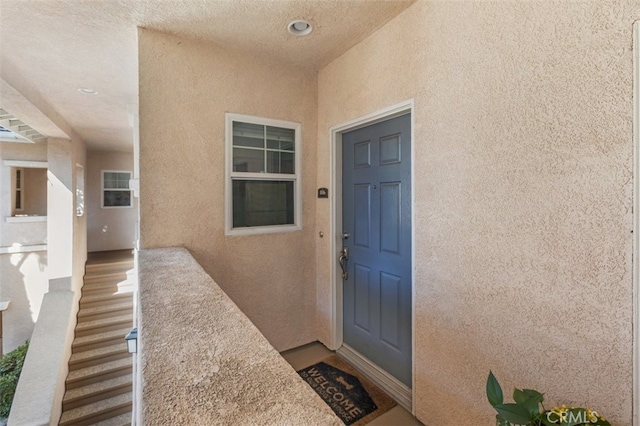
[{"x": 203, "y": 361}]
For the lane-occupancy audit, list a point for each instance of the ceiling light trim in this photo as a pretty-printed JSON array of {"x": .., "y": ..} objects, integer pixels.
[
  {"x": 300, "y": 27},
  {"x": 87, "y": 91}
]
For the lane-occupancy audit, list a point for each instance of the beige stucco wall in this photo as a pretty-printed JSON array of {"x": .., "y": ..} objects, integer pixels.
[
  {"x": 523, "y": 189},
  {"x": 23, "y": 276},
  {"x": 78, "y": 162},
  {"x": 108, "y": 228},
  {"x": 24, "y": 283},
  {"x": 65, "y": 230},
  {"x": 186, "y": 88}
]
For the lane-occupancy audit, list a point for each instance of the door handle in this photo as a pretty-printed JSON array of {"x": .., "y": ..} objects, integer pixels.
[{"x": 344, "y": 257}]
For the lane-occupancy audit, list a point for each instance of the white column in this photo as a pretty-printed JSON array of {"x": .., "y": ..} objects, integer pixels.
[{"x": 60, "y": 213}]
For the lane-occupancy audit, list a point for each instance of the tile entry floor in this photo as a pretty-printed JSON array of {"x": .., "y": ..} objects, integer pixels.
[{"x": 313, "y": 353}]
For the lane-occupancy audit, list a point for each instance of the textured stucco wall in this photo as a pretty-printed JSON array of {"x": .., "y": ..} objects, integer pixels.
[
  {"x": 23, "y": 276},
  {"x": 523, "y": 153},
  {"x": 24, "y": 283},
  {"x": 108, "y": 229},
  {"x": 78, "y": 161},
  {"x": 185, "y": 89},
  {"x": 223, "y": 372}
]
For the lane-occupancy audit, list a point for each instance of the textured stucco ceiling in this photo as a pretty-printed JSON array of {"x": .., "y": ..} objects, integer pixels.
[{"x": 50, "y": 48}]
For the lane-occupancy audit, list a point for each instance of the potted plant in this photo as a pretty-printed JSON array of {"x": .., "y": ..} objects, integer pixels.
[{"x": 527, "y": 409}]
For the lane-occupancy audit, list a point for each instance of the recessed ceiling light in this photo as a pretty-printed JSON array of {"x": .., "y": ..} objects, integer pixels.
[
  {"x": 86, "y": 91},
  {"x": 300, "y": 27}
]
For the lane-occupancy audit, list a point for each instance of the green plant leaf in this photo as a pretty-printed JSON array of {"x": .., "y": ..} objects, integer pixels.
[
  {"x": 519, "y": 396},
  {"x": 500, "y": 421},
  {"x": 532, "y": 404},
  {"x": 548, "y": 422},
  {"x": 494, "y": 391},
  {"x": 514, "y": 413},
  {"x": 531, "y": 392},
  {"x": 10, "y": 368},
  {"x": 530, "y": 401}
]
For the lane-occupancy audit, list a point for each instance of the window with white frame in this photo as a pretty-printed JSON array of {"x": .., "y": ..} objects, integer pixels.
[
  {"x": 263, "y": 185},
  {"x": 115, "y": 189}
]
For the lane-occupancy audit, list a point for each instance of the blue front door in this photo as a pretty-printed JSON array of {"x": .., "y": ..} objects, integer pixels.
[{"x": 376, "y": 203}]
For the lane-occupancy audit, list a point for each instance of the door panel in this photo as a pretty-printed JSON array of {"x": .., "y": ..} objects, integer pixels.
[
  {"x": 361, "y": 209},
  {"x": 376, "y": 202},
  {"x": 390, "y": 309},
  {"x": 362, "y": 155},
  {"x": 390, "y": 211},
  {"x": 362, "y": 283}
]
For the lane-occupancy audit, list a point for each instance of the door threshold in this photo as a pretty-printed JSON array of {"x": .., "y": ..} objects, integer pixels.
[{"x": 397, "y": 390}]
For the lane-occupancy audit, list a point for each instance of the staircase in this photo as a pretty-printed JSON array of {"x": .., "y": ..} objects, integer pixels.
[{"x": 99, "y": 384}]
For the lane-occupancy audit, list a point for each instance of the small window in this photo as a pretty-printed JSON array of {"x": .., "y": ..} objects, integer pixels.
[
  {"x": 19, "y": 193},
  {"x": 263, "y": 175},
  {"x": 115, "y": 189}
]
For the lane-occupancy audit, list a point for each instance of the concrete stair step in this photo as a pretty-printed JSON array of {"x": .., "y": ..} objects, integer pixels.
[
  {"x": 104, "y": 371},
  {"x": 102, "y": 299},
  {"x": 98, "y": 411},
  {"x": 104, "y": 284},
  {"x": 99, "y": 278},
  {"x": 90, "y": 326},
  {"x": 121, "y": 420},
  {"x": 93, "y": 392},
  {"x": 100, "y": 268},
  {"x": 101, "y": 287},
  {"x": 100, "y": 355},
  {"x": 108, "y": 311},
  {"x": 99, "y": 340},
  {"x": 106, "y": 273}
]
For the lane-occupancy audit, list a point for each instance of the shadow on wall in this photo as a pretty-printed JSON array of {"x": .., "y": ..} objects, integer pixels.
[{"x": 24, "y": 283}]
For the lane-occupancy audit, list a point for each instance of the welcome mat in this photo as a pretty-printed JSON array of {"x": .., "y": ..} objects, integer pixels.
[{"x": 350, "y": 395}]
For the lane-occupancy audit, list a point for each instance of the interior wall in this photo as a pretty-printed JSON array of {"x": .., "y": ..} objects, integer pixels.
[
  {"x": 186, "y": 88},
  {"x": 523, "y": 191},
  {"x": 35, "y": 191},
  {"x": 108, "y": 228}
]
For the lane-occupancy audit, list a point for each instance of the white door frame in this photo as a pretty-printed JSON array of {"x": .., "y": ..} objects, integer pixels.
[
  {"x": 335, "y": 227},
  {"x": 636, "y": 224}
]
